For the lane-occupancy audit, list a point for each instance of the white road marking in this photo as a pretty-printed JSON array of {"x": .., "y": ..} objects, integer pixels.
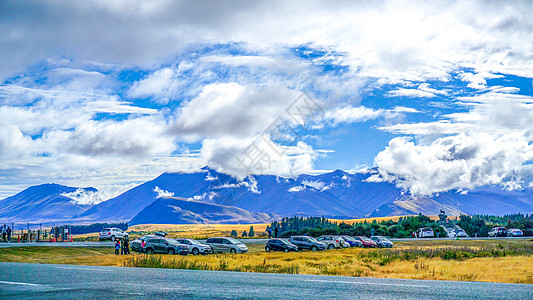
[
  {"x": 84, "y": 269},
  {"x": 20, "y": 283},
  {"x": 373, "y": 283}
]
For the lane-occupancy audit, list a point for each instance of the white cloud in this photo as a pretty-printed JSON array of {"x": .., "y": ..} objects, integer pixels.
[
  {"x": 162, "y": 193},
  {"x": 259, "y": 155},
  {"x": 296, "y": 189},
  {"x": 463, "y": 161},
  {"x": 163, "y": 85},
  {"x": 423, "y": 91}
]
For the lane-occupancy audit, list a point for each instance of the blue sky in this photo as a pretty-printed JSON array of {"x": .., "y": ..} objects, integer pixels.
[{"x": 437, "y": 96}]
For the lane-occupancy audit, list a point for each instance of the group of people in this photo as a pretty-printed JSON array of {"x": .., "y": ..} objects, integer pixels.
[
  {"x": 122, "y": 248},
  {"x": 270, "y": 232},
  {"x": 6, "y": 233}
]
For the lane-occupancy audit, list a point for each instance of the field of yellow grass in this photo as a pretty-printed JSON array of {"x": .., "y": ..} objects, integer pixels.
[{"x": 508, "y": 266}]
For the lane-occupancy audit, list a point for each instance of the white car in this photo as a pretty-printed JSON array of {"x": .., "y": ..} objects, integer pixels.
[
  {"x": 112, "y": 234},
  {"x": 195, "y": 246},
  {"x": 515, "y": 232},
  {"x": 425, "y": 232}
]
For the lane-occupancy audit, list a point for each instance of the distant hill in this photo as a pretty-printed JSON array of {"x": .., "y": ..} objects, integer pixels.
[
  {"x": 174, "y": 210},
  {"x": 337, "y": 194},
  {"x": 41, "y": 203}
]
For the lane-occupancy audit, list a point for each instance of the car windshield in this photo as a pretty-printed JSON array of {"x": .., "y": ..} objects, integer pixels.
[
  {"x": 284, "y": 242},
  {"x": 194, "y": 242},
  {"x": 364, "y": 238},
  {"x": 312, "y": 239},
  {"x": 234, "y": 241},
  {"x": 348, "y": 238}
]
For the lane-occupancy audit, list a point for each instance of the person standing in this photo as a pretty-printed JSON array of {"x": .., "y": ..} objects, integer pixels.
[
  {"x": 276, "y": 232},
  {"x": 126, "y": 245},
  {"x": 143, "y": 244},
  {"x": 8, "y": 234},
  {"x": 4, "y": 229},
  {"x": 270, "y": 233},
  {"x": 117, "y": 247}
]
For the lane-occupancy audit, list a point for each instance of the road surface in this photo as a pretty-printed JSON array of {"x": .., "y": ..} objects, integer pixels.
[{"x": 40, "y": 281}]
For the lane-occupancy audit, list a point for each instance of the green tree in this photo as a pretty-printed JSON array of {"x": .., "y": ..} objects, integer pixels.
[
  {"x": 244, "y": 234},
  {"x": 234, "y": 233},
  {"x": 251, "y": 232}
]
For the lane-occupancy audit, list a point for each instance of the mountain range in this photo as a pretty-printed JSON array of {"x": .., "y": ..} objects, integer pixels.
[{"x": 208, "y": 196}]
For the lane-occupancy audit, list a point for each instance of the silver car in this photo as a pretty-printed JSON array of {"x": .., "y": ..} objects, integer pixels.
[
  {"x": 226, "y": 244},
  {"x": 112, "y": 234},
  {"x": 195, "y": 246}
]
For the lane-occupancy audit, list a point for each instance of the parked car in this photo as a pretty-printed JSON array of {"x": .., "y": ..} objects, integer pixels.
[
  {"x": 425, "y": 232},
  {"x": 307, "y": 242},
  {"x": 195, "y": 246},
  {"x": 515, "y": 232},
  {"x": 164, "y": 245},
  {"x": 331, "y": 241},
  {"x": 226, "y": 244},
  {"x": 367, "y": 243},
  {"x": 280, "y": 245},
  {"x": 382, "y": 241},
  {"x": 458, "y": 233},
  {"x": 112, "y": 234},
  {"x": 136, "y": 244},
  {"x": 497, "y": 231},
  {"x": 351, "y": 241}
]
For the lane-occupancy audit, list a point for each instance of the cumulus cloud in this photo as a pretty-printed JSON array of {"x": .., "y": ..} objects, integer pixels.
[
  {"x": 230, "y": 109},
  {"x": 355, "y": 114},
  {"x": 258, "y": 155},
  {"x": 463, "y": 161}
]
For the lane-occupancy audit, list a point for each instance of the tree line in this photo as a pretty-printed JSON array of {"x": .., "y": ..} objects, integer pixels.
[{"x": 402, "y": 228}]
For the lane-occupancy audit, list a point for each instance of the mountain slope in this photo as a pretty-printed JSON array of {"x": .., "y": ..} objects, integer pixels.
[
  {"x": 42, "y": 203},
  {"x": 174, "y": 210}
]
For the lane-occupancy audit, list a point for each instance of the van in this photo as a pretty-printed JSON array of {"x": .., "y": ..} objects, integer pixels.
[{"x": 226, "y": 244}]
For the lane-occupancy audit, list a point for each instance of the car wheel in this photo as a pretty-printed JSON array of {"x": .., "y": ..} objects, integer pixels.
[
  {"x": 113, "y": 238},
  {"x": 286, "y": 250},
  {"x": 150, "y": 251},
  {"x": 267, "y": 249},
  {"x": 380, "y": 246},
  {"x": 170, "y": 251},
  {"x": 195, "y": 251},
  {"x": 232, "y": 251},
  {"x": 330, "y": 247},
  {"x": 314, "y": 248}
]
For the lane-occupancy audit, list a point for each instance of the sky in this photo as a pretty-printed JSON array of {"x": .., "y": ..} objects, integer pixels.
[{"x": 436, "y": 95}]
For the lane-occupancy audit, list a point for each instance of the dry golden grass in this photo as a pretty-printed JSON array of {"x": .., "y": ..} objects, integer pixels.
[
  {"x": 198, "y": 231},
  {"x": 343, "y": 262},
  {"x": 380, "y": 219}
]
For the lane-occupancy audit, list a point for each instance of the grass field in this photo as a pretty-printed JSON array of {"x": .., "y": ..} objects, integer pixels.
[{"x": 508, "y": 261}]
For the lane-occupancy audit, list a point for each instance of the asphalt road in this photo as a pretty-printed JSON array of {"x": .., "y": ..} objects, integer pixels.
[{"x": 31, "y": 281}]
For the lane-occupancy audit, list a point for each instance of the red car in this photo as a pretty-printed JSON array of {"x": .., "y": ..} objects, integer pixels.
[{"x": 367, "y": 243}]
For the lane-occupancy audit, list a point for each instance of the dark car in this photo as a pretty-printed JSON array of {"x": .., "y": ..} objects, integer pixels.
[
  {"x": 351, "y": 241},
  {"x": 136, "y": 244},
  {"x": 382, "y": 241},
  {"x": 164, "y": 245},
  {"x": 307, "y": 242},
  {"x": 280, "y": 245},
  {"x": 195, "y": 246},
  {"x": 367, "y": 243},
  {"x": 497, "y": 231}
]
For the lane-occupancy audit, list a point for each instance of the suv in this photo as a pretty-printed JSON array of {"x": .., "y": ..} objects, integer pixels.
[
  {"x": 307, "y": 242},
  {"x": 498, "y": 231},
  {"x": 136, "y": 244},
  {"x": 164, "y": 245},
  {"x": 196, "y": 247},
  {"x": 226, "y": 244},
  {"x": 382, "y": 241},
  {"x": 112, "y": 234},
  {"x": 425, "y": 232},
  {"x": 332, "y": 241},
  {"x": 280, "y": 245}
]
